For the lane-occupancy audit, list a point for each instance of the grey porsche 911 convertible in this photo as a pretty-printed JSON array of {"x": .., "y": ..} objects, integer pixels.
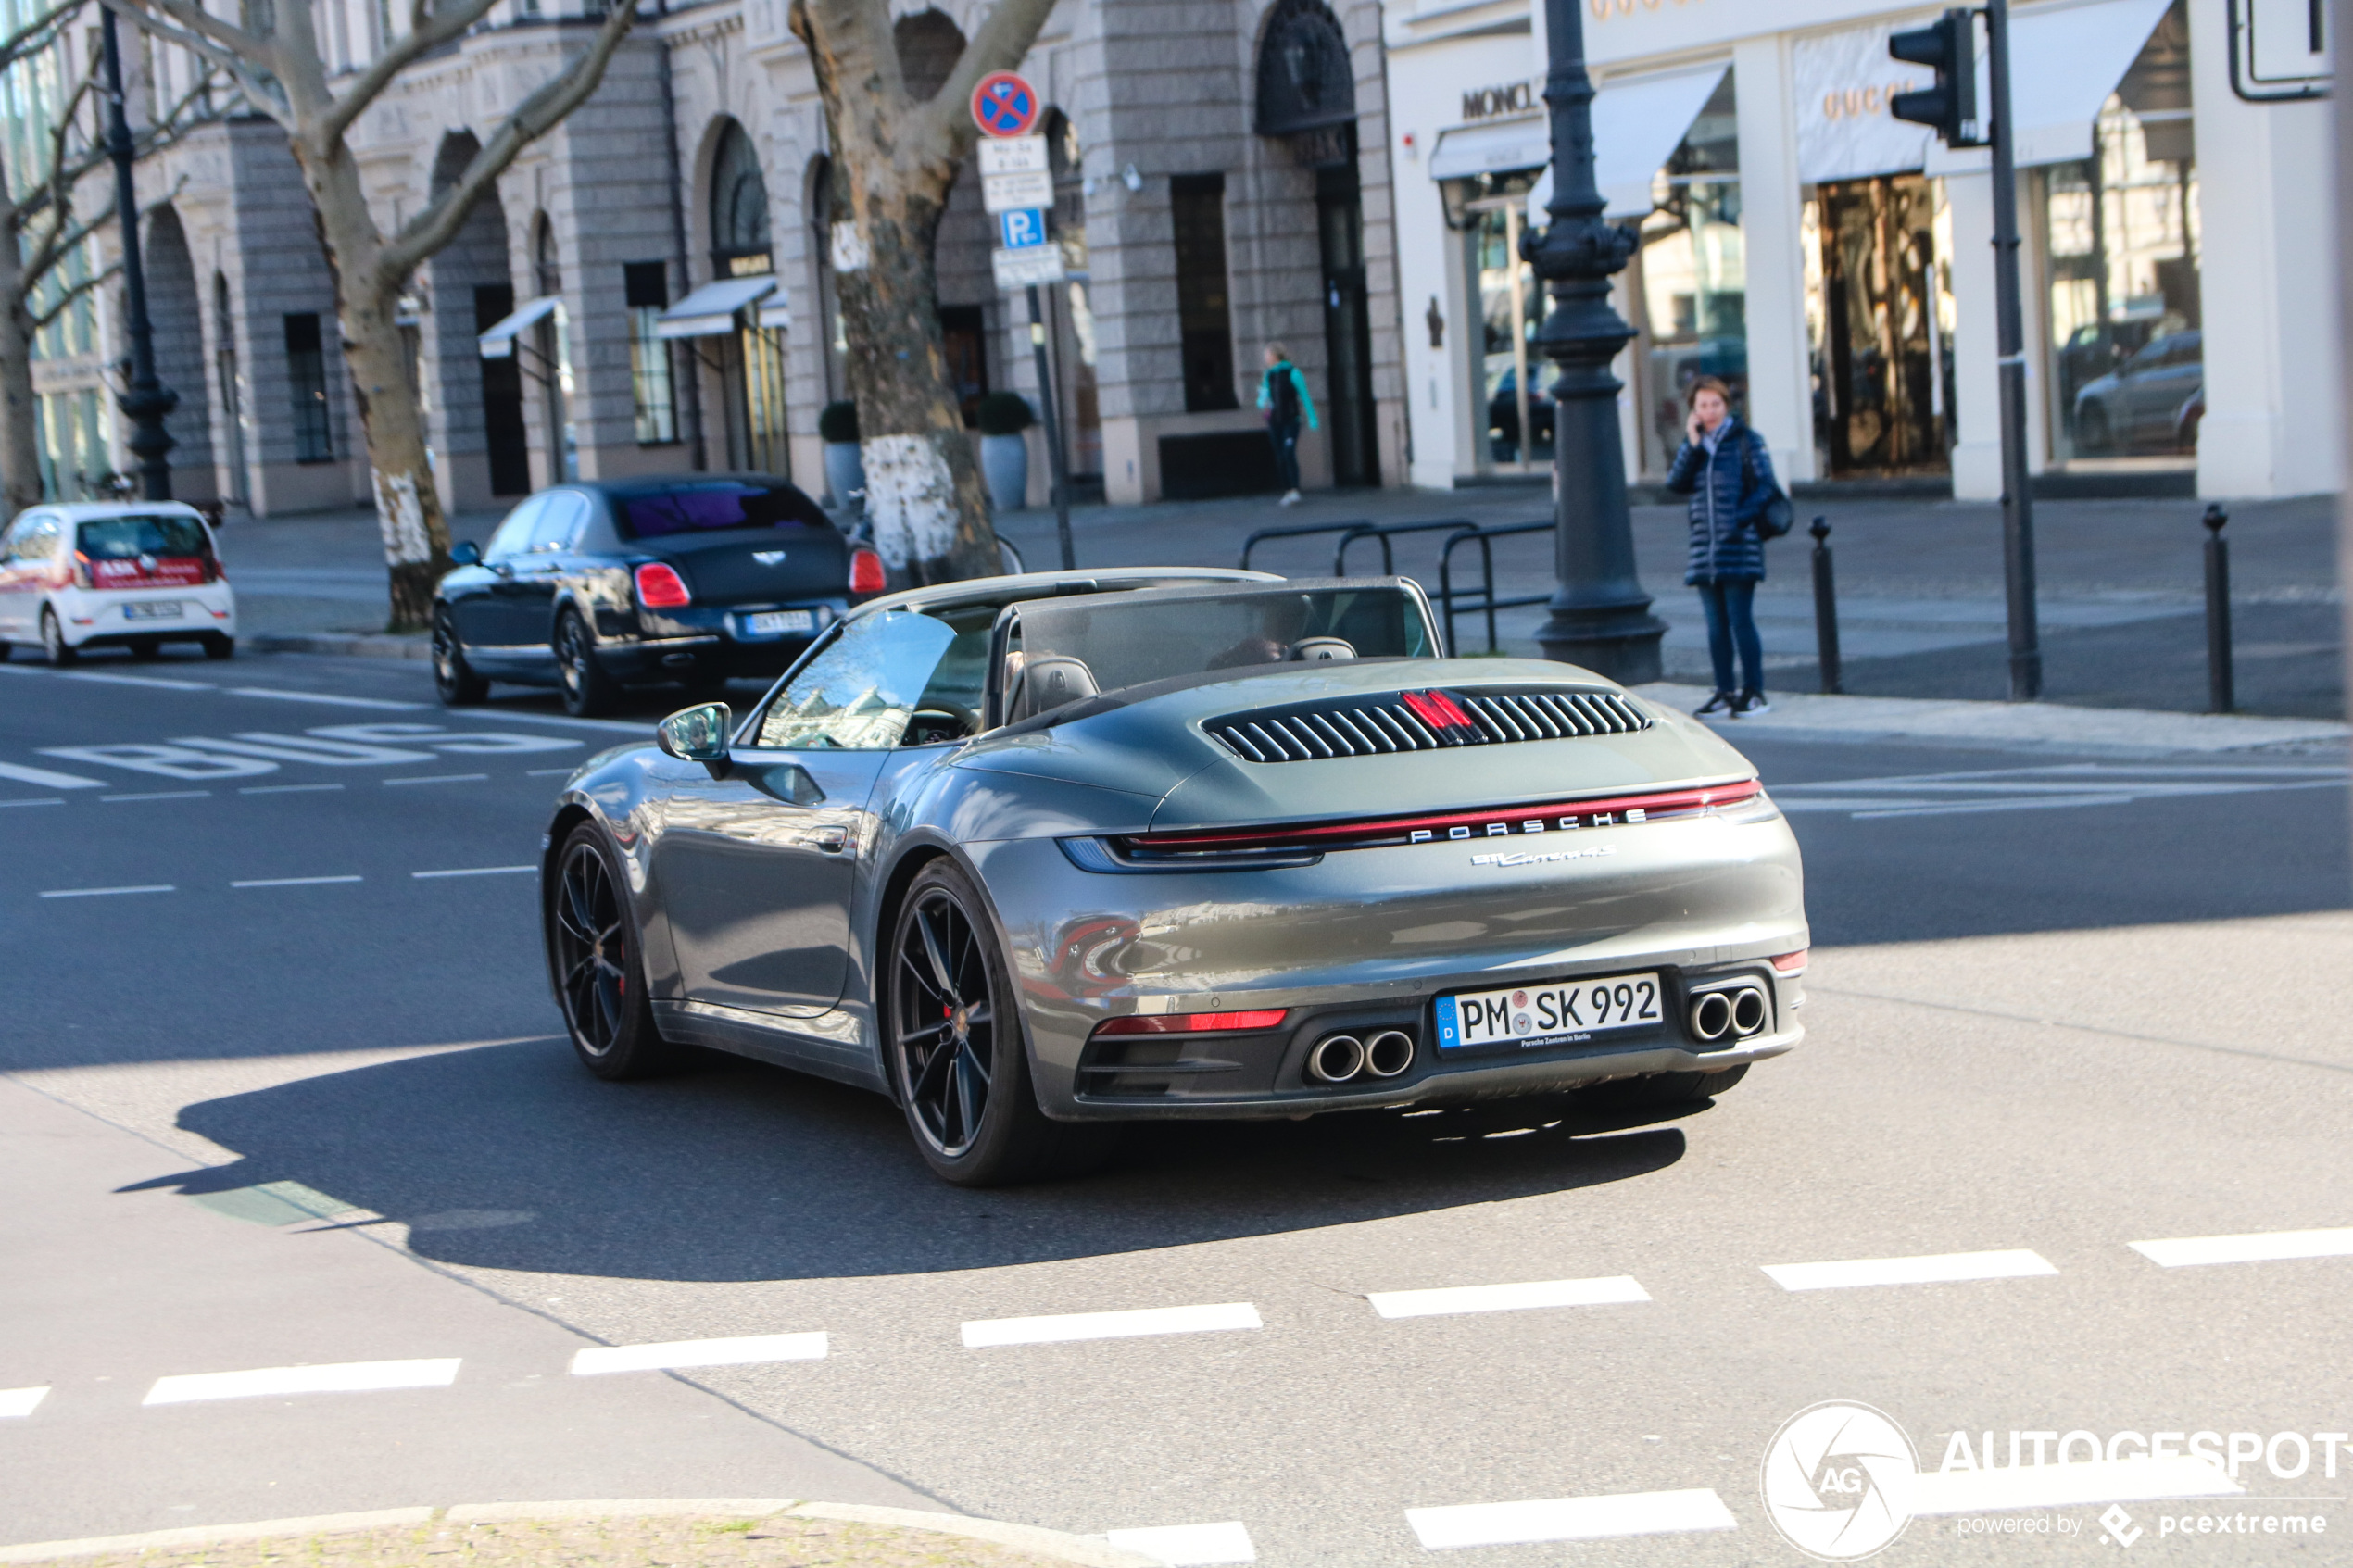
[{"x": 1033, "y": 854}]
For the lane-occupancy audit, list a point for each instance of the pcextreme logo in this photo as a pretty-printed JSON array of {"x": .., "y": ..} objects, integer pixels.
[{"x": 1836, "y": 1479}]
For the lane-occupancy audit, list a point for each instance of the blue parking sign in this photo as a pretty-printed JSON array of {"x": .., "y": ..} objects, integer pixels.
[{"x": 1022, "y": 227}]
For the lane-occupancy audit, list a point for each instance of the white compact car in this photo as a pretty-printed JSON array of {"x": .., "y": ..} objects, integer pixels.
[{"x": 129, "y": 574}]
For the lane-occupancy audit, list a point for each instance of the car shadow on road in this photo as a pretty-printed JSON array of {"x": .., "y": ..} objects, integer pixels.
[{"x": 509, "y": 1157}]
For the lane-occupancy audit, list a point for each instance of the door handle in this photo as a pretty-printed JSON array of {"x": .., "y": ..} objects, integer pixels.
[{"x": 833, "y": 840}]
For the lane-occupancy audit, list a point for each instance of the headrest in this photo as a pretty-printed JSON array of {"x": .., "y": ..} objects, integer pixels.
[
  {"x": 1315, "y": 650},
  {"x": 1048, "y": 681}
]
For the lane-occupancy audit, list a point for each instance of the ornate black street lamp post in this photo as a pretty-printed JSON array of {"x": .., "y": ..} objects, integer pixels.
[
  {"x": 148, "y": 400},
  {"x": 1600, "y": 617}
]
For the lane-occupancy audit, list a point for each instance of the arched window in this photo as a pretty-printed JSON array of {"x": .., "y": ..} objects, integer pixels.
[{"x": 739, "y": 207}]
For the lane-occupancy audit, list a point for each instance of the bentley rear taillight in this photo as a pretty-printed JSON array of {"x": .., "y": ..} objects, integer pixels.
[
  {"x": 660, "y": 587},
  {"x": 866, "y": 573}
]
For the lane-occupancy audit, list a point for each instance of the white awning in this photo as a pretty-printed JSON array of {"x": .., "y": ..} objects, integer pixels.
[
  {"x": 2065, "y": 61},
  {"x": 1637, "y": 127},
  {"x": 710, "y": 312},
  {"x": 498, "y": 343},
  {"x": 775, "y": 314},
  {"x": 1492, "y": 149}
]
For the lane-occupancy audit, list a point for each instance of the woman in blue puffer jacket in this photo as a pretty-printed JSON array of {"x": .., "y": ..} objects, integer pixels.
[{"x": 1725, "y": 471}]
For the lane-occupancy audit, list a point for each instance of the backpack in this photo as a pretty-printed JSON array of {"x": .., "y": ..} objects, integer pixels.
[
  {"x": 1282, "y": 395},
  {"x": 1779, "y": 517}
]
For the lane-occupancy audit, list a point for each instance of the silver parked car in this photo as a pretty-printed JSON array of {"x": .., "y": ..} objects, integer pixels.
[{"x": 1035, "y": 854}]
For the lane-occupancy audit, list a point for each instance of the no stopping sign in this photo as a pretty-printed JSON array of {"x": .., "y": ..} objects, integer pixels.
[{"x": 1005, "y": 104}]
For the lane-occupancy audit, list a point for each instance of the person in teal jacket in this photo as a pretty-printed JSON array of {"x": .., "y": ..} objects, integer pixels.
[{"x": 1283, "y": 403}]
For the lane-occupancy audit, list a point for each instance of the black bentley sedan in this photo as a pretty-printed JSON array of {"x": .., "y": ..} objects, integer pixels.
[{"x": 690, "y": 579}]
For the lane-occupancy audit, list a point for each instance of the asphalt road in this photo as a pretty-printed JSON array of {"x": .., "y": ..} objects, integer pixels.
[{"x": 283, "y": 1089}]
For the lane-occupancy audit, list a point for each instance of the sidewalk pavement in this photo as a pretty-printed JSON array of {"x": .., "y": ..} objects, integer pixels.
[{"x": 1921, "y": 605}]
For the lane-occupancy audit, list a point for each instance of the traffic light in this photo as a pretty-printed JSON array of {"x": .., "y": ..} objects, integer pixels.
[{"x": 1948, "y": 46}]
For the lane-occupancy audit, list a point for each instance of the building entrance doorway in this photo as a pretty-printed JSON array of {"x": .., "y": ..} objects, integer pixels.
[{"x": 1876, "y": 324}]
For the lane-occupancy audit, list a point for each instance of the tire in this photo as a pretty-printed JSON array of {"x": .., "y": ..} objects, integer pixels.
[
  {"x": 217, "y": 647},
  {"x": 1664, "y": 1090},
  {"x": 2092, "y": 432},
  {"x": 593, "y": 957},
  {"x": 959, "y": 1060},
  {"x": 590, "y": 693},
  {"x": 454, "y": 680},
  {"x": 6, "y": 650},
  {"x": 54, "y": 647}
]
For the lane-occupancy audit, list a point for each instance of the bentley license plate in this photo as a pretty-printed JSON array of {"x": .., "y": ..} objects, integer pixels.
[
  {"x": 1555, "y": 1013},
  {"x": 778, "y": 622},
  {"x": 152, "y": 609}
]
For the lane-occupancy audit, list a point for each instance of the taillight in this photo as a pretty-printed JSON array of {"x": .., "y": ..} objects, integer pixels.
[
  {"x": 1790, "y": 963},
  {"x": 660, "y": 587},
  {"x": 866, "y": 573},
  {"x": 81, "y": 570},
  {"x": 1192, "y": 1023}
]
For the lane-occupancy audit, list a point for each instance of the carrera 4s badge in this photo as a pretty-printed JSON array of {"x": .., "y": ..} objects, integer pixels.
[{"x": 1532, "y": 857}]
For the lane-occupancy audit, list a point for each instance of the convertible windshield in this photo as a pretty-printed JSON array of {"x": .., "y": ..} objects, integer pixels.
[{"x": 1104, "y": 642}]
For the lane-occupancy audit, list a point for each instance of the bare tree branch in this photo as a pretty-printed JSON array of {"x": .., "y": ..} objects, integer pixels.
[
  {"x": 945, "y": 128},
  {"x": 251, "y": 59},
  {"x": 427, "y": 31},
  {"x": 558, "y": 96},
  {"x": 73, "y": 293},
  {"x": 36, "y": 34}
]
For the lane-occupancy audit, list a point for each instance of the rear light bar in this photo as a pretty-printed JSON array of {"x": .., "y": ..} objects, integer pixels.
[
  {"x": 1192, "y": 1023},
  {"x": 1492, "y": 822},
  {"x": 660, "y": 587},
  {"x": 866, "y": 575}
]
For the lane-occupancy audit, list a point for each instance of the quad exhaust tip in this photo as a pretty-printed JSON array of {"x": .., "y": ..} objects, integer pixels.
[
  {"x": 1389, "y": 1053},
  {"x": 1336, "y": 1059},
  {"x": 1737, "y": 1013}
]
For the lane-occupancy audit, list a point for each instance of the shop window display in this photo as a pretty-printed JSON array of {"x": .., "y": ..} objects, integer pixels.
[{"x": 1690, "y": 278}]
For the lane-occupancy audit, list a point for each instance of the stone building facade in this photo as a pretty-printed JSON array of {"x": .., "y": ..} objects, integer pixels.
[{"x": 1222, "y": 182}]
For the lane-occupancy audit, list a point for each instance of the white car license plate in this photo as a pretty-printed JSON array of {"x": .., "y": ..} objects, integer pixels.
[
  {"x": 1557, "y": 1012},
  {"x": 777, "y": 622},
  {"x": 152, "y": 609}
]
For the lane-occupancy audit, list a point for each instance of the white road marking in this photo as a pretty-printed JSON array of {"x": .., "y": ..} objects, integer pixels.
[
  {"x": 161, "y": 795},
  {"x": 2064, "y": 1485},
  {"x": 744, "y": 1350},
  {"x": 48, "y": 779},
  {"x": 440, "y": 778},
  {"x": 106, "y": 892},
  {"x": 142, "y": 681},
  {"x": 2030, "y": 789},
  {"x": 1943, "y": 1267},
  {"x": 21, "y": 1402},
  {"x": 2262, "y": 1247},
  {"x": 549, "y": 772},
  {"x": 641, "y": 728},
  {"x": 330, "y": 700},
  {"x": 1570, "y": 1519},
  {"x": 341, "y": 1377},
  {"x": 1506, "y": 1297},
  {"x": 1189, "y": 1546},
  {"x": 1110, "y": 1325},
  {"x": 293, "y": 880},
  {"x": 284, "y": 789},
  {"x": 44, "y": 800},
  {"x": 477, "y": 871}
]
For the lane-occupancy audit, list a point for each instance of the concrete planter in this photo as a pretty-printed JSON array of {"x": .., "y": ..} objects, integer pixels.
[
  {"x": 1005, "y": 463},
  {"x": 845, "y": 474}
]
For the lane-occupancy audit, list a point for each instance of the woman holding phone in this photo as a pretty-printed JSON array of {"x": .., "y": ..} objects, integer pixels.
[{"x": 1725, "y": 470}]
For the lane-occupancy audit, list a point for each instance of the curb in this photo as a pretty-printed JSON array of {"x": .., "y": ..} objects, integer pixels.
[
  {"x": 1091, "y": 1552},
  {"x": 350, "y": 644}
]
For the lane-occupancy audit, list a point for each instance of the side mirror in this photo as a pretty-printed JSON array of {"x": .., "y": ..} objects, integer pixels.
[
  {"x": 465, "y": 552},
  {"x": 698, "y": 735}
]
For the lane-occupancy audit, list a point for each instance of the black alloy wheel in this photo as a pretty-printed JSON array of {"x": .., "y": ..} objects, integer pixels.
[
  {"x": 601, "y": 980},
  {"x": 54, "y": 647},
  {"x": 453, "y": 679},
  {"x": 957, "y": 1054},
  {"x": 590, "y": 693}
]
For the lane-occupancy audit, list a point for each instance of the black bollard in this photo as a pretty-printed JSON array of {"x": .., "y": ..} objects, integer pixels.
[
  {"x": 2219, "y": 698},
  {"x": 1826, "y": 609}
]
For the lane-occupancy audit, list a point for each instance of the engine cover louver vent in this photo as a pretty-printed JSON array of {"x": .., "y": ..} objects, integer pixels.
[{"x": 1424, "y": 721}]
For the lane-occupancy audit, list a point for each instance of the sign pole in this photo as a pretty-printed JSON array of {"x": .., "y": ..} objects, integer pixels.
[
  {"x": 2010, "y": 348},
  {"x": 1059, "y": 476}
]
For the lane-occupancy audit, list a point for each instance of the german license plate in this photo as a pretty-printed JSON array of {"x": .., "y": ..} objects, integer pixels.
[
  {"x": 1559, "y": 1012},
  {"x": 152, "y": 609},
  {"x": 780, "y": 623}
]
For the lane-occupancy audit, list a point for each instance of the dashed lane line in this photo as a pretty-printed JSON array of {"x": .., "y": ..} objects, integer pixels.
[
  {"x": 2262, "y": 1247},
  {"x": 1506, "y": 1297},
  {"x": 1068, "y": 1326},
  {"x": 329, "y": 698},
  {"x": 744, "y": 1350},
  {"x": 107, "y": 891},
  {"x": 44, "y": 800},
  {"x": 161, "y": 795},
  {"x": 342, "y": 1377},
  {"x": 285, "y": 789},
  {"x": 1189, "y": 1546},
  {"x": 2065, "y": 1485},
  {"x": 293, "y": 880},
  {"x": 47, "y": 778},
  {"x": 2018, "y": 1263},
  {"x": 438, "y": 778},
  {"x": 549, "y": 772},
  {"x": 1570, "y": 1519},
  {"x": 476, "y": 871},
  {"x": 21, "y": 1402}
]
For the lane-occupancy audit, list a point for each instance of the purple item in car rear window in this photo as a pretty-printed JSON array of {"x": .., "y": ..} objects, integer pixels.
[{"x": 701, "y": 509}]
